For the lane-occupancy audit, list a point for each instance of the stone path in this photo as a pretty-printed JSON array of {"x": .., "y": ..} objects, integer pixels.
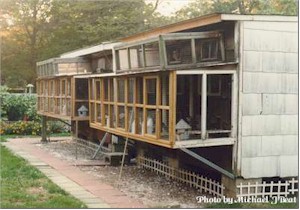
[{"x": 81, "y": 185}]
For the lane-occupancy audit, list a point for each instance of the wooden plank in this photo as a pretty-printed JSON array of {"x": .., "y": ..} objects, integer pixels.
[
  {"x": 234, "y": 105},
  {"x": 193, "y": 48},
  {"x": 73, "y": 97},
  {"x": 202, "y": 71},
  {"x": 191, "y": 97},
  {"x": 184, "y": 25},
  {"x": 172, "y": 100},
  {"x": 191, "y": 35},
  {"x": 222, "y": 48},
  {"x": 204, "y": 143},
  {"x": 203, "y": 106},
  {"x": 162, "y": 53},
  {"x": 158, "y": 122},
  {"x": 144, "y": 119},
  {"x": 102, "y": 101},
  {"x": 127, "y": 117}
]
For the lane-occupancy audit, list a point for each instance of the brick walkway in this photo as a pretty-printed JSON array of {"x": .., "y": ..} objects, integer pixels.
[{"x": 81, "y": 185}]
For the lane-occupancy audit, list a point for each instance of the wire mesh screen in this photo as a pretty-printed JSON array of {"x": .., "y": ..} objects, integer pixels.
[
  {"x": 130, "y": 90},
  {"x": 151, "y": 121},
  {"x": 164, "y": 119},
  {"x": 121, "y": 90},
  {"x": 121, "y": 117},
  {"x": 151, "y": 91},
  {"x": 179, "y": 52}
]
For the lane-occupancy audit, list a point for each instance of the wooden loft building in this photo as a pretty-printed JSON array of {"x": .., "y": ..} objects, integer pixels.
[
  {"x": 218, "y": 91},
  {"x": 206, "y": 84},
  {"x": 63, "y": 96}
]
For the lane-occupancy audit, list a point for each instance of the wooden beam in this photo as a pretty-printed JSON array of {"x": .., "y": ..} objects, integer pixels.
[
  {"x": 172, "y": 111},
  {"x": 203, "y": 106},
  {"x": 176, "y": 27},
  {"x": 44, "y": 129},
  {"x": 73, "y": 97},
  {"x": 209, "y": 163},
  {"x": 162, "y": 53},
  {"x": 191, "y": 96}
]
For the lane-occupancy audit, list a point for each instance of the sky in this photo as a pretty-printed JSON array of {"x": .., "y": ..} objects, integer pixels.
[{"x": 166, "y": 7}]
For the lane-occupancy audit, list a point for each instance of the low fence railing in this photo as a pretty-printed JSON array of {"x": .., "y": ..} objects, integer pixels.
[
  {"x": 190, "y": 178},
  {"x": 270, "y": 189}
]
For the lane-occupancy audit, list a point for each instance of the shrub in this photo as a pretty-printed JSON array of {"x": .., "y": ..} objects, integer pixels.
[
  {"x": 30, "y": 128},
  {"x": 21, "y": 128},
  {"x": 18, "y": 106}
]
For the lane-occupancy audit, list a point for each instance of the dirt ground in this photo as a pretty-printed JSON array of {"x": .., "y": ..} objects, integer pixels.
[{"x": 153, "y": 190}]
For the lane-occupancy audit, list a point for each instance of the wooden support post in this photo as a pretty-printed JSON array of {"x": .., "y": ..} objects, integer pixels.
[
  {"x": 123, "y": 160},
  {"x": 203, "y": 106},
  {"x": 191, "y": 96},
  {"x": 76, "y": 135},
  {"x": 44, "y": 129}
]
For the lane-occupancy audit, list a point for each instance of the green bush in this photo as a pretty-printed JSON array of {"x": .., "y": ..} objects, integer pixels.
[
  {"x": 30, "y": 128},
  {"x": 19, "y": 107},
  {"x": 21, "y": 128}
]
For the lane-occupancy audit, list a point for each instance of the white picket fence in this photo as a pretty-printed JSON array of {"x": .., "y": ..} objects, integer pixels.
[
  {"x": 285, "y": 188},
  {"x": 190, "y": 178}
]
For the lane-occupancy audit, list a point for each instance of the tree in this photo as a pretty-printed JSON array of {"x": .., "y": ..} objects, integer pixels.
[
  {"x": 24, "y": 23},
  {"x": 202, "y": 7},
  {"x": 40, "y": 29}
]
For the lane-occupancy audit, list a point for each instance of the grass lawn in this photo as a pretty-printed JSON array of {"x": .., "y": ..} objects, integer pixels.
[{"x": 23, "y": 186}]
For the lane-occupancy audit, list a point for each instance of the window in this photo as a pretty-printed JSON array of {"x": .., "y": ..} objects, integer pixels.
[
  {"x": 140, "y": 107},
  {"x": 204, "y": 112},
  {"x": 121, "y": 90},
  {"x": 152, "y": 54},
  {"x": 179, "y": 52},
  {"x": 136, "y": 57},
  {"x": 123, "y": 59},
  {"x": 151, "y": 91},
  {"x": 131, "y": 89},
  {"x": 207, "y": 50}
]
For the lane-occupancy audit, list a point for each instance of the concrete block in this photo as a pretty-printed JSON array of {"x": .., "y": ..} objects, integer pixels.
[
  {"x": 269, "y": 125},
  {"x": 289, "y": 83},
  {"x": 288, "y": 165},
  {"x": 261, "y": 125},
  {"x": 257, "y": 167},
  {"x": 289, "y": 124},
  {"x": 252, "y": 104},
  {"x": 252, "y": 61},
  {"x": 271, "y": 145},
  {"x": 261, "y": 82},
  {"x": 273, "y": 62},
  {"x": 251, "y": 146},
  {"x": 271, "y": 41},
  {"x": 280, "y": 104},
  {"x": 271, "y": 26},
  {"x": 289, "y": 42},
  {"x": 290, "y": 145},
  {"x": 291, "y": 62}
]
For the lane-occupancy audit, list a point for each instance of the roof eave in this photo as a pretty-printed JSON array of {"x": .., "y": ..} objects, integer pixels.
[{"x": 180, "y": 26}]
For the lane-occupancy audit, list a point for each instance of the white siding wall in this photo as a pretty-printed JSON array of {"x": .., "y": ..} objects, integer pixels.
[{"x": 269, "y": 144}]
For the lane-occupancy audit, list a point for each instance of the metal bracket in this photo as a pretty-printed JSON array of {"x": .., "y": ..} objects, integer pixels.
[{"x": 209, "y": 163}]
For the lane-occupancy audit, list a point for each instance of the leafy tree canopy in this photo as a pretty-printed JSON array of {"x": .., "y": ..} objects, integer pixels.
[
  {"x": 34, "y": 30},
  {"x": 266, "y": 7}
]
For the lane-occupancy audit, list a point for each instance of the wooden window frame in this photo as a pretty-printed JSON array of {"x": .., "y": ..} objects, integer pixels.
[
  {"x": 135, "y": 107},
  {"x": 204, "y": 94}
]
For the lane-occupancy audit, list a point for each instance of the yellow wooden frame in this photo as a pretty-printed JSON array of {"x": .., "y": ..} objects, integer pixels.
[{"x": 113, "y": 103}]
